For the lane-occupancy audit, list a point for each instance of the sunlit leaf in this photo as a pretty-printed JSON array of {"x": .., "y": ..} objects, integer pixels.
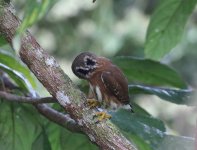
[
  {"x": 149, "y": 72},
  {"x": 34, "y": 11},
  {"x": 178, "y": 96},
  {"x": 20, "y": 80},
  {"x": 167, "y": 26},
  {"x": 9, "y": 60},
  {"x": 18, "y": 128},
  {"x": 146, "y": 128}
]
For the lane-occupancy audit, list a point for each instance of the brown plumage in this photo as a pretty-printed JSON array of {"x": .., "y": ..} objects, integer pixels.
[{"x": 107, "y": 82}]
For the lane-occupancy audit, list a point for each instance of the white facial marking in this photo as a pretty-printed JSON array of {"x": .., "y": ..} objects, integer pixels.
[
  {"x": 98, "y": 93},
  {"x": 82, "y": 68},
  {"x": 90, "y": 58},
  {"x": 87, "y": 57}
]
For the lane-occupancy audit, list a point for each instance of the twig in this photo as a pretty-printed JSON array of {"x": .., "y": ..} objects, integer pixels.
[
  {"x": 50, "y": 113},
  {"x": 104, "y": 134},
  {"x": 57, "y": 117},
  {"x": 23, "y": 99}
]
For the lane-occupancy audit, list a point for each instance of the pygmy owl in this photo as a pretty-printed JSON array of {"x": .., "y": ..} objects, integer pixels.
[{"x": 107, "y": 82}]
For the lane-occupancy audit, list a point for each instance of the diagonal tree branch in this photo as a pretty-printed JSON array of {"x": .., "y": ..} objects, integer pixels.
[
  {"x": 104, "y": 134},
  {"x": 23, "y": 99}
]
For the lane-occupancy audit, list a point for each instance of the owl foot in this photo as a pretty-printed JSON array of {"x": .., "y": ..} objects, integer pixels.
[
  {"x": 92, "y": 103},
  {"x": 102, "y": 116}
]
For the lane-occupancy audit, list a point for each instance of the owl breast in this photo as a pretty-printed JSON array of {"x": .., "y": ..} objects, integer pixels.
[{"x": 96, "y": 88}]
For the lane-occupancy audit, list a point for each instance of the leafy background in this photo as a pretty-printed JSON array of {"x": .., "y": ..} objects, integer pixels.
[{"x": 153, "y": 42}]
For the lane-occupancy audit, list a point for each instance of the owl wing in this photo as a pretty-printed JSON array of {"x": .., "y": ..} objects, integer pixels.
[{"x": 117, "y": 84}]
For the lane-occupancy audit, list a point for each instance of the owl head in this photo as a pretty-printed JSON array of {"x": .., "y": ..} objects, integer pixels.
[{"x": 84, "y": 65}]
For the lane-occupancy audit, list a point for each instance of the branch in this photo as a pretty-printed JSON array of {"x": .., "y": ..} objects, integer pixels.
[
  {"x": 57, "y": 117},
  {"x": 104, "y": 134},
  {"x": 23, "y": 99},
  {"x": 51, "y": 114}
]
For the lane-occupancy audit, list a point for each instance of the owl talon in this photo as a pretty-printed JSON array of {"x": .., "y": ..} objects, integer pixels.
[
  {"x": 102, "y": 116},
  {"x": 92, "y": 103}
]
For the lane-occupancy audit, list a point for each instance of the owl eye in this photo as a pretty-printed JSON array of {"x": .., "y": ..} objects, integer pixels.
[{"x": 90, "y": 62}]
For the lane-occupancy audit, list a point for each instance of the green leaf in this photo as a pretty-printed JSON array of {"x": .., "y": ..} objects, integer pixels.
[
  {"x": 42, "y": 141},
  {"x": 178, "y": 96},
  {"x": 141, "y": 144},
  {"x": 166, "y": 26},
  {"x": 148, "y": 133},
  {"x": 9, "y": 60},
  {"x": 171, "y": 142},
  {"x": 147, "y": 128},
  {"x": 2, "y": 41},
  {"x": 19, "y": 79},
  {"x": 61, "y": 139},
  {"x": 139, "y": 110},
  {"x": 149, "y": 72},
  {"x": 18, "y": 128},
  {"x": 34, "y": 11}
]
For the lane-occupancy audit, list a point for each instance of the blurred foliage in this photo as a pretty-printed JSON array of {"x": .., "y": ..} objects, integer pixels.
[
  {"x": 2, "y": 40},
  {"x": 151, "y": 72},
  {"x": 18, "y": 78},
  {"x": 18, "y": 125},
  {"x": 109, "y": 28},
  {"x": 148, "y": 129},
  {"x": 148, "y": 132},
  {"x": 166, "y": 27},
  {"x": 178, "y": 96},
  {"x": 13, "y": 62},
  {"x": 34, "y": 12}
]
